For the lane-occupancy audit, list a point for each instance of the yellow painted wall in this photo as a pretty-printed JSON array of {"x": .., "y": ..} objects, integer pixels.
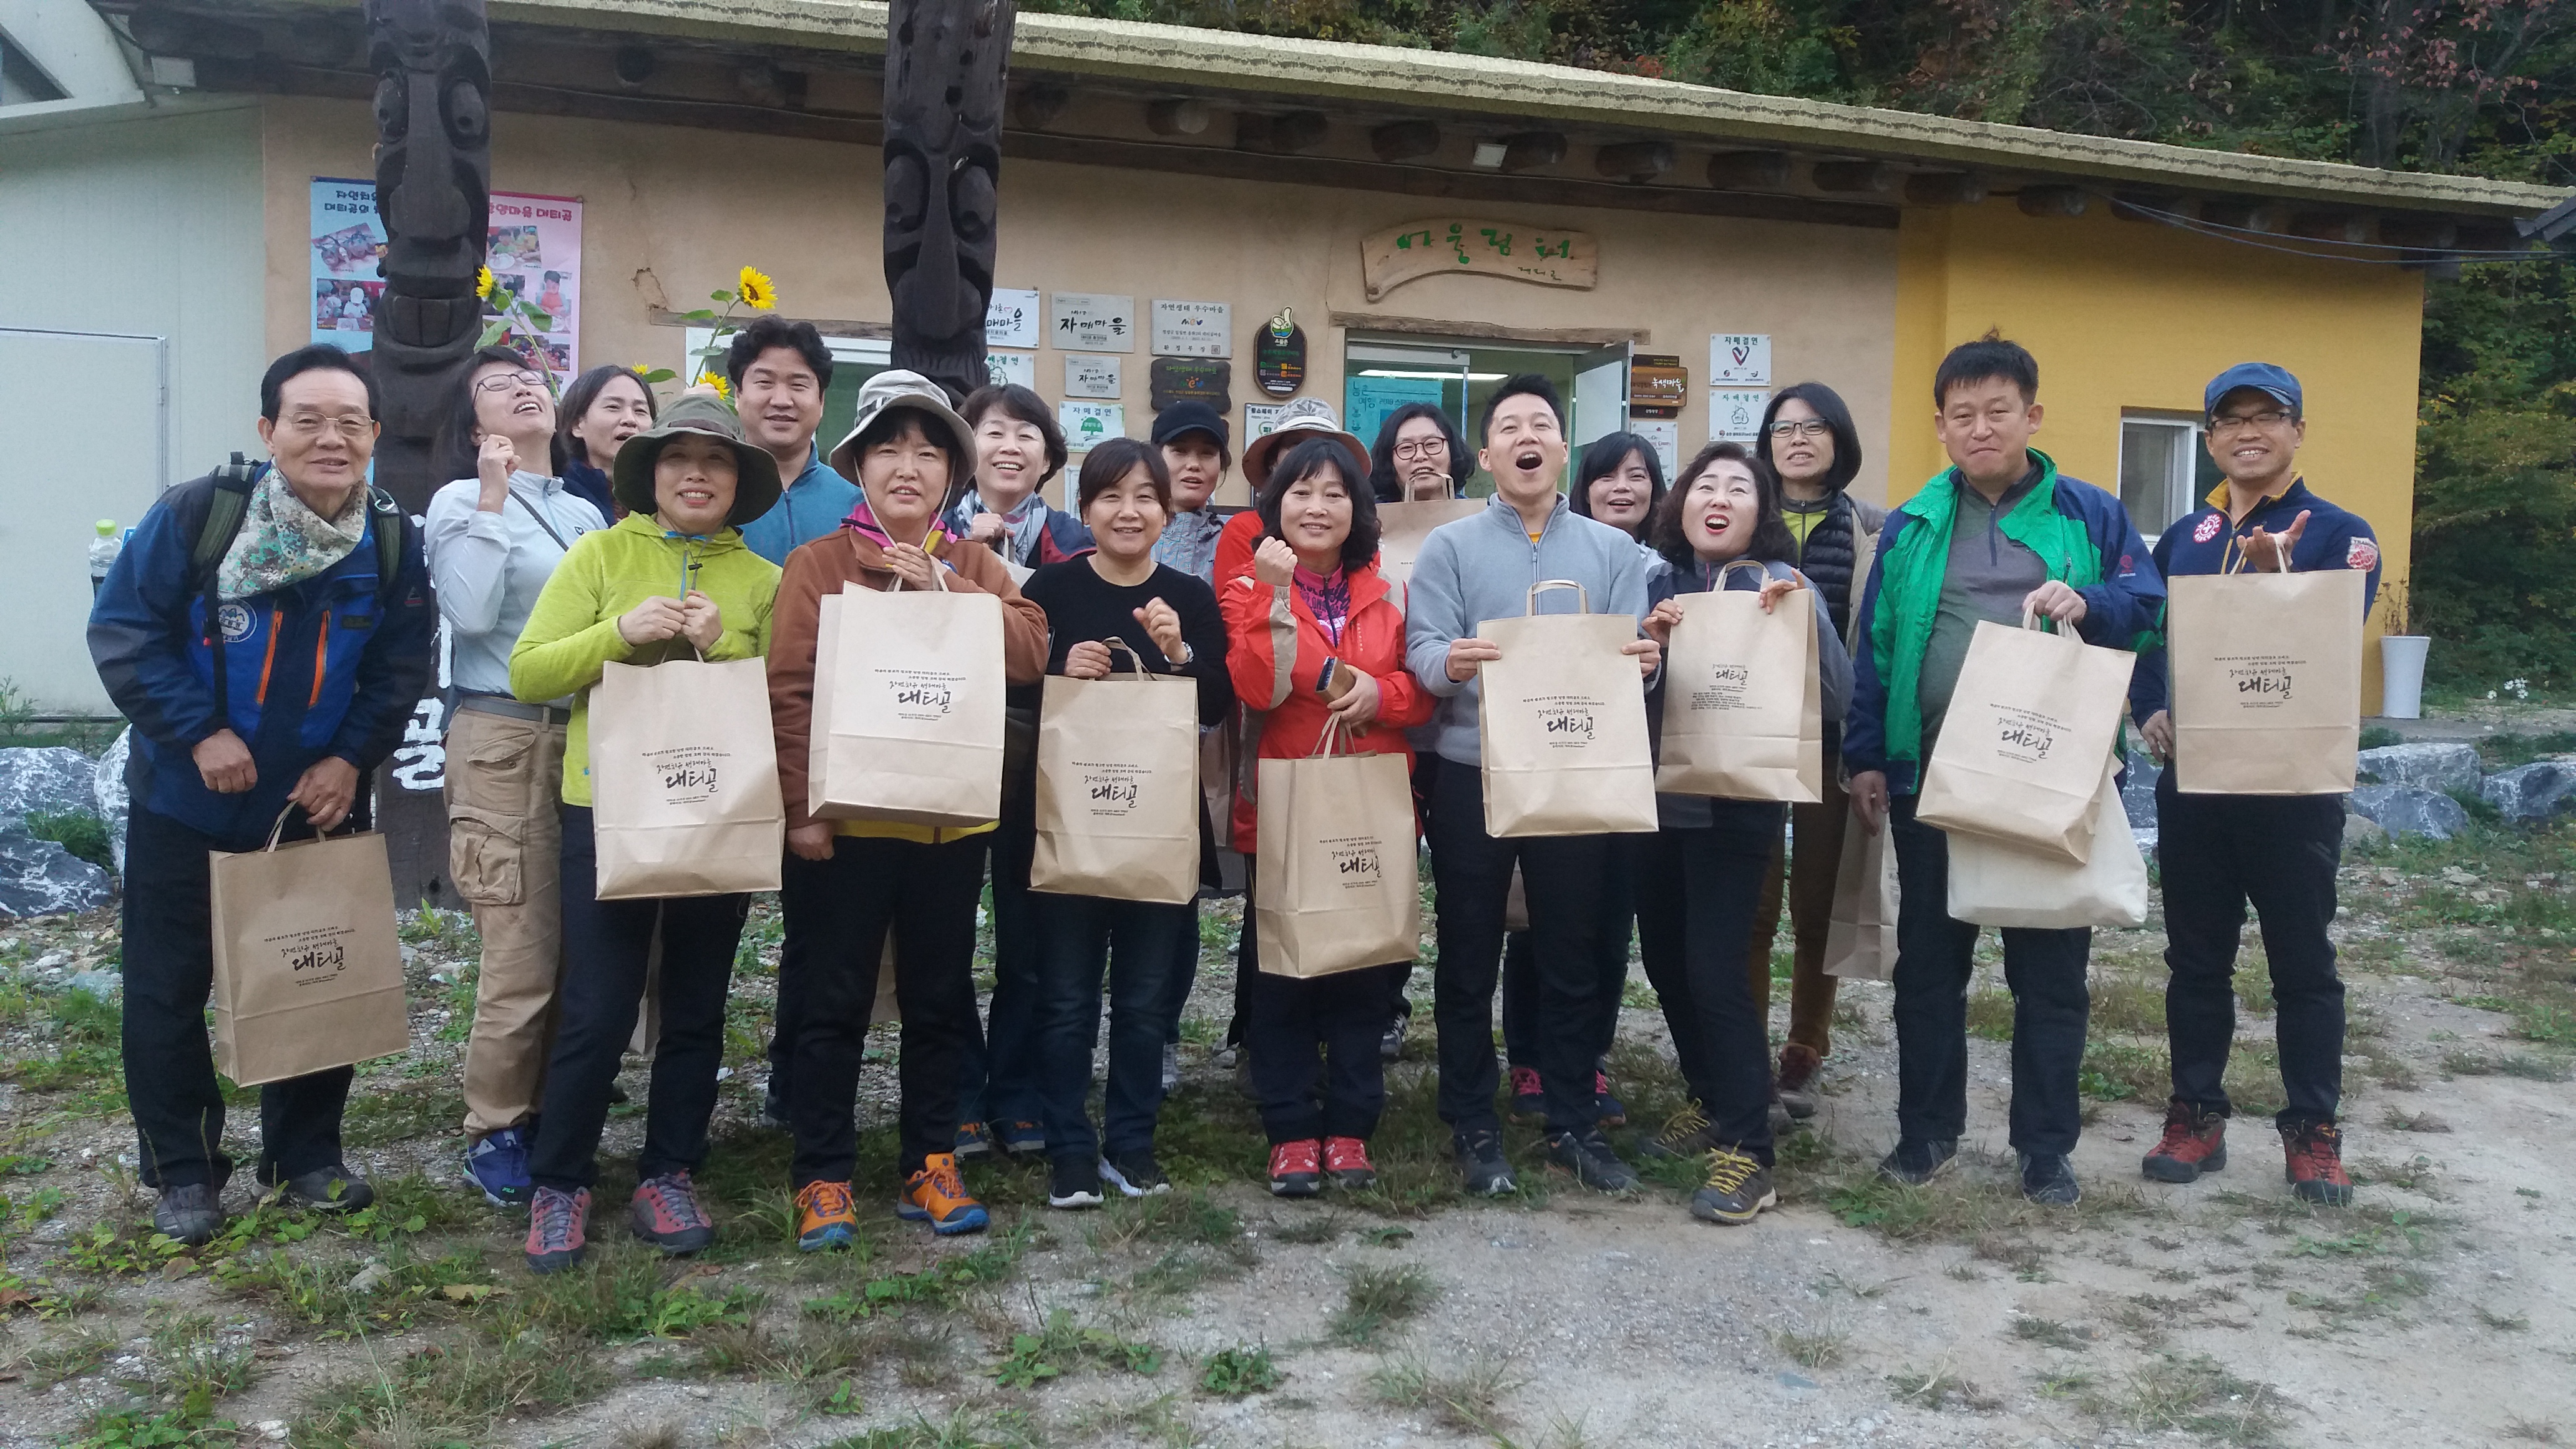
[{"x": 2125, "y": 314}]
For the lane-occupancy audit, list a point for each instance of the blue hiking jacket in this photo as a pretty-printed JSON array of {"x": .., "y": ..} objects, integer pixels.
[{"x": 332, "y": 666}]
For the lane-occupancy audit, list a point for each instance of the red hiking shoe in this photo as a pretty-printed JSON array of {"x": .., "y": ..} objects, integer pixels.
[
  {"x": 555, "y": 1222},
  {"x": 2316, "y": 1164},
  {"x": 2194, "y": 1142},
  {"x": 1529, "y": 1097},
  {"x": 1347, "y": 1159},
  {"x": 1297, "y": 1168}
]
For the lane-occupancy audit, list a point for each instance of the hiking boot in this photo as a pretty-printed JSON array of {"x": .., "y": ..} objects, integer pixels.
[
  {"x": 2048, "y": 1179},
  {"x": 189, "y": 1212},
  {"x": 1529, "y": 1095},
  {"x": 1480, "y": 1157},
  {"x": 2194, "y": 1142},
  {"x": 1794, "y": 1087},
  {"x": 1171, "y": 1067},
  {"x": 825, "y": 1217},
  {"x": 1347, "y": 1159},
  {"x": 555, "y": 1220},
  {"x": 1686, "y": 1134},
  {"x": 1136, "y": 1173},
  {"x": 1738, "y": 1187},
  {"x": 1074, "y": 1182},
  {"x": 1916, "y": 1163},
  {"x": 665, "y": 1212},
  {"x": 2315, "y": 1166},
  {"x": 773, "y": 1110},
  {"x": 1390, "y": 1047},
  {"x": 1611, "y": 1111},
  {"x": 498, "y": 1165},
  {"x": 332, "y": 1189},
  {"x": 1588, "y": 1156},
  {"x": 1021, "y": 1139},
  {"x": 1297, "y": 1168},
  {"x": 937, "y": 1195},
  {"x": 974, "y": 1142}
]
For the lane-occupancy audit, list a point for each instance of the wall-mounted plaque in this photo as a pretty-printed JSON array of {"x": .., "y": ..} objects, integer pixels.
[
  {"x": 1193, "y": 329},
  {"x": 1011, "y": 318},
  {"x": 1093, "y": 321},
  {"x": 1735, "y": 414},
  {"x": 1547, "y": 256},
  {"x": 1088, "y": 374},
  {"x": 1279, "y": 355},
  {"x": 1208, "y": 379},
  {"x": 1739, "y": 359},
  {"x": 1658, "y": 385}
]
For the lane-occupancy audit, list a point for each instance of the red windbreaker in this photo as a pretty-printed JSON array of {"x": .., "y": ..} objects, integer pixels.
[{"x": 1276, "y": 652}]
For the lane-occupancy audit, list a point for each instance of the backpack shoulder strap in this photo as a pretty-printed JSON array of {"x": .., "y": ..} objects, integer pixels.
[
  {"x": 385, "y": 526},
  {"x": 224, "y": 510}
]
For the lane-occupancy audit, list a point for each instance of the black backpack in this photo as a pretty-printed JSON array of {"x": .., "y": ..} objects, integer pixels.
[{"x": 225, "y": 507}]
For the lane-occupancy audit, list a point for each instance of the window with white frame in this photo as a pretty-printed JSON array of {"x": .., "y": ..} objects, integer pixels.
[{"x": 2163, "y": 469}]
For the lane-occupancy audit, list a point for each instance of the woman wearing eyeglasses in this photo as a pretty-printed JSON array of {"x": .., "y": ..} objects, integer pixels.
[
  {"x": 495, "y": 536},
  {"x": 1808, "y": 440}
]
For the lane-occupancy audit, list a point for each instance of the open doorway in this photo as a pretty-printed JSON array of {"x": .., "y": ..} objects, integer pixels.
[{"x": 1382, "y": 374}]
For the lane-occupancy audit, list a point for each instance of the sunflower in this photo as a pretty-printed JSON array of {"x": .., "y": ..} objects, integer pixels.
[
  {"x": 756, "y": 290},
  {"x": 483, "y": 283},
  {"x": 709, "y": 379}
]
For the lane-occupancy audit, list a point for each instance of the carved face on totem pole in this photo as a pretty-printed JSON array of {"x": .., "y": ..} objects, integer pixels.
[{"x": 945, "y": 70}]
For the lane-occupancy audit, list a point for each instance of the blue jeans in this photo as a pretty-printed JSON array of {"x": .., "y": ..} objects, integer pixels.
[{"x": 1140, "y": 944}]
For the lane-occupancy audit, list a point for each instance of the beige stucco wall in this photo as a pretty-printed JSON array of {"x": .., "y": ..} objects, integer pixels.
[{"x": 671, "y": 213}]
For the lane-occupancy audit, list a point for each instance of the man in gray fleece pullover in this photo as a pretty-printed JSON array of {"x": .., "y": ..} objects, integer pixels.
[{"x": 1474, "y": 569}]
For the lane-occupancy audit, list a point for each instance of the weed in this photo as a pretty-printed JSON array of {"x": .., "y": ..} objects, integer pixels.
[
  {"x": 1990, "y": 1015},
  {"x": 2530, "y": 1068},
  {"x": 1190, "y": 1218},
  {"x": 937, "y": 1285},
  {"x": 188, "y": 1426},
  {"x": 1061, "y": 1343},
  {"x": 2504, "y": 1322},
  {"x": 1638, "y": 996},
  {"x": 2397, "y": 1119},
  {"x": 451, "y": 1394},
  {"x": 79, "y": 831},
  {"x": 1243, "y": 1369},
  {"x": 2530, "y": 1431},
  {"x": 2052, "y": 1333},
  {"x": 2118, "y": 1071},
  {"x": 1940, "y": 1387},
  {"x": 1376, "y": 1297},
  {"x": 68, "y": 1357},
  {"x": 1306, "y": 1229},
  {"x": 1386, "y": 1237},
  {"x": 964, "y": 1428},
  {"x": 2196, "y": 1395},
  {"x": 1468, "y": 1399},
  {"x": 1820, "y": 1349}
]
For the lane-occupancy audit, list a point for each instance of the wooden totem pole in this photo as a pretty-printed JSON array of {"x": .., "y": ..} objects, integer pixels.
[
  {"x": 433, "y": 67},
  {"x": 947, "y": 62}
]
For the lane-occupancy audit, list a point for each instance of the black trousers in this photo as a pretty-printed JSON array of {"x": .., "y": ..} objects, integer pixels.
[
  {"x": 169, "y": 1061},
  {"x": 839, "y": 911},
  {"x": 2220, "y": 853},
  {"x": 605, "y": 946},
  {"x": 1618, "y": 922},
  {"x": 1562, "y": 877},
  {"x": 1000, "y": 1078},
  {"x": 1696, "y": 893},
  {"x": 1314, "y": 1044},
  {"x": 2045, "y": 971}
]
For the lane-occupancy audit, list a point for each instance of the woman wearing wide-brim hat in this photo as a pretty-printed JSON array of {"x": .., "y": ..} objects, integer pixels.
[
  {"x": 848, "y": 883},
  {"x": 671, "y": 579}
]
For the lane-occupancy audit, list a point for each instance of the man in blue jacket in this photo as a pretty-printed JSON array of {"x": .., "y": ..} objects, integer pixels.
[
  {"x": 2278, "y": 852},
  {"x": 780, "y": 371},
  {"x": 267, "y": 669},
  {"x": 1998, "y": 532},
  {"x": 1471, "y": 570}
]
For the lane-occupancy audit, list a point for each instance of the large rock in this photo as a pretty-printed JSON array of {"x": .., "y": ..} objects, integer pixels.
[
  {"x": 2400, "y": 810},
  {"x": 107, "y": 791},
  {"x": 2535, "y": 791},
  {"x": 40, "y": 878},
  {"x": 46, "y": 781},
  {"x": 2436, "y": 767},
  {"x": 2360, "y": 831}
]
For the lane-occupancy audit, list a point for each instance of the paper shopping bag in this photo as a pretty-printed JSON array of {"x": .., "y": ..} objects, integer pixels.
[
  {"x": 1401, "y": 528},
  {"x": 2266, "y": 671},
  {"x": 684, "y": 780},
  {"x": 1118, "y": 786},
  {"x": 1743, "y": 707},
  {"x": 1860, "y": 936},
  {"x": 913, "y": 729},
  {"x": 2005, "y": 885},
  {"x": 1335, "y": 886},
  {"x": 2021, "y": 749},
  {"x": 308, "y": 971},
  {"x": 1561, "y": 720}
]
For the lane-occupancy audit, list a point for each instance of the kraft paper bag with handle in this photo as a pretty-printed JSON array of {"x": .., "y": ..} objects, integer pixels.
[
  {"x": 1743, "y": 708},
  {"x": 2020, "y": 754},
  {"x": 2266, "y": 681},
  {"x": 2003, "y": 885},
  {"x": 684, "y": 780},
  {"x": 1562, "y": 724},
  {"x": 308, "y": 969},
  {"x": 1118, "y": 786},
  {"x": 1860, "y": 936},
  {"x": 914, "y": 729},
  {"x": 1401, "y": 528},
  {"x": 1335, "y": 888}
]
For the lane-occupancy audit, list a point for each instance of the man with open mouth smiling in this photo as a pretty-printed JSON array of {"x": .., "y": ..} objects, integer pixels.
[
  {"x": 2277, "y": 852},
  {"x": 1477, "y": 568}
]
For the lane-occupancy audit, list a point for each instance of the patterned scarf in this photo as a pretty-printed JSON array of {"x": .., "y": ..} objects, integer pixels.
[
  {"x": 1023, "y": 524},
  {"x": 282, "y": 542},
  {"x": 1328, "y": 598}
]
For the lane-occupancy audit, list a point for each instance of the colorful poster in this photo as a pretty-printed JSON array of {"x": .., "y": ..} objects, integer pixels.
[
  {"x": 1011, "y": 318},
  {"x": 535, "y": 253},
  {"x": 1739, "y": 359},
  {"x": 1367, "y": 401},
  {"x": 1094, "y": 321},
  {"x": 1087, "y": 424},
  {"x": 1193, "y": 329},
  {"x": 1735, "y": 415},
  {"x": 1091, "y": 375}
]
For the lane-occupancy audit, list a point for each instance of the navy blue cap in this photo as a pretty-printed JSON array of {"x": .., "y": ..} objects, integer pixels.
[
  {"x": 1190, "y": 415},
  {"x": 2275, "y": 382}
]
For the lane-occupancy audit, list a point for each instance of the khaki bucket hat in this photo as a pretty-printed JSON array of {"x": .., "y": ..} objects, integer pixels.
[{"x": 756, "y": 485}]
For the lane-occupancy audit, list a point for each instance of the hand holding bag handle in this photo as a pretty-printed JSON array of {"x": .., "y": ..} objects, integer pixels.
[
  {"x": 2243, "y": 558},
  {"x": 1117, "y": 646},
  {"x": 279, "y": 829}
]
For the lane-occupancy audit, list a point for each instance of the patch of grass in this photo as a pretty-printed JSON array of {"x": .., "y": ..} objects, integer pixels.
[
  {"x": 2130, "y": 1005},
  {"x": 451, "y": 1394},
  {"x": 2196, "y": 1395},
  {"x": 2504, "y": 1322},
  {"x": 1990, "y": 1014},
  {"x": 1376, "y": 1297},
  {"x": 2118, "y": 1071},
  {"x": 2051, "y": 1333},
  {"x": 2397, "y": 1119},
  {"x": 81, "y": 832},
  {"x": 1940, "y": 1387},
  {"x": 1966, "y": 1204},
  {"x": 1467, "y": 1399},
  {"x": 1636, "y": 995},
  {"x": 188, "y": 1426},
  {"x": 68, "y": 1356},
  {"x": 966, "y": 1427},
  {"x": 1183, "y": 1218},
  {"x": 1062, "y": 1344},
  {"x": 1245, "y": 1368},
  {"x": 936, "y": 1286},
  {"x": 1820, "y": 1349},
  {"x": 2530, "y": 1431}
]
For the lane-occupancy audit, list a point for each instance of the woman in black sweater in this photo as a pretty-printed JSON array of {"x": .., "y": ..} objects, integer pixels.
[{"x": 1149, "y": 949}]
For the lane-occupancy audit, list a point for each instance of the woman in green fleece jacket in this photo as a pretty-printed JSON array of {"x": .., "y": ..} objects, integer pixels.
[{"x": 670, "y": 579}]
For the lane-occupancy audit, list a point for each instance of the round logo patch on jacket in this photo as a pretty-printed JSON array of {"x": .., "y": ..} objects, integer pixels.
[
  {"x": 2208, "y": 529},
  {"x": 2362, "y": 553},
  {"x": 235, "y": 621}
]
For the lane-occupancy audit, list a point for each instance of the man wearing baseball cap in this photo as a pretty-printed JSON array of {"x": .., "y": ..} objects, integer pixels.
[{"x": 2276, "y": 852}]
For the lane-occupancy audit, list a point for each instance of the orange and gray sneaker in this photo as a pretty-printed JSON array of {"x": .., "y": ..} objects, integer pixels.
[
  {"x": 1347, "y": 1159},
  {"x": 825, "y": 1217},
  {"x": 2194, "y": 1142},
  {"x": 2316, "y": 1172},
  {"x": 555, "y": 1220},
  {"x": 937, "y": 1195},
  {"x": 665, "y": 1213}
]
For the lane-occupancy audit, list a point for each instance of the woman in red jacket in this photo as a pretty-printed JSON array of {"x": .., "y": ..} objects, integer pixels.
[{"x": 1315, "y": 637}]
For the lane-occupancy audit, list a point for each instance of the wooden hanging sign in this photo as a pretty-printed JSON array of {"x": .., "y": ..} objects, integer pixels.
[
  {"x": 1546, "y": 256},
  {"x": 1279, "y": 355}
]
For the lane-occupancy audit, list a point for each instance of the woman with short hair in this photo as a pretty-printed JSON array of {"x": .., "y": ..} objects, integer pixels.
[
  {"x": 1419, "y": 454},
  {"x": 1018, "y": 448}
]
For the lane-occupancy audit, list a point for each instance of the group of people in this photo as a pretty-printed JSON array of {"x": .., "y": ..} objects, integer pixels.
[{"x": 270, "y": 628}]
